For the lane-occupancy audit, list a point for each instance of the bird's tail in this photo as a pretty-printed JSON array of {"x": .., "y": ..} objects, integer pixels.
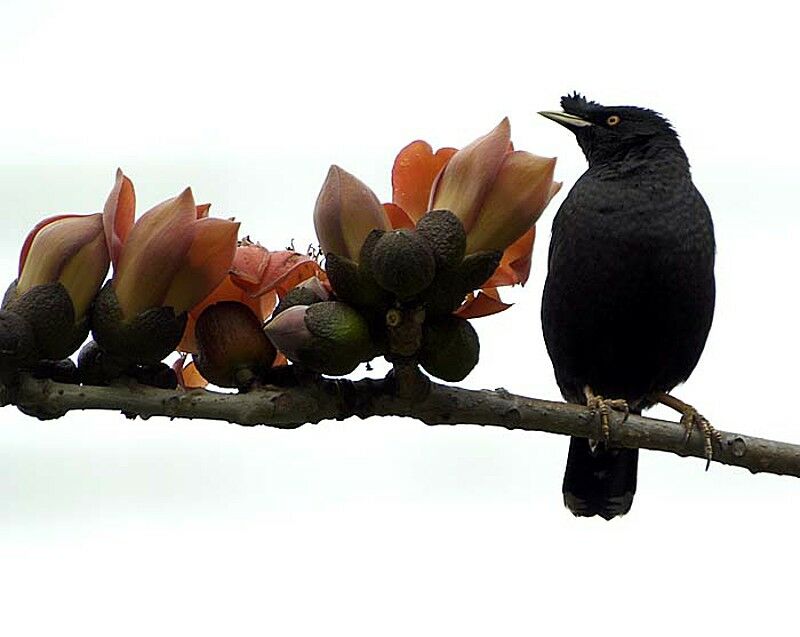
[{"x": 598, "y": 480}]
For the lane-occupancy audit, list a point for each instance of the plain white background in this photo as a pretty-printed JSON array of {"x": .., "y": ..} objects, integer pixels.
[{"x": 386, "y": 526}]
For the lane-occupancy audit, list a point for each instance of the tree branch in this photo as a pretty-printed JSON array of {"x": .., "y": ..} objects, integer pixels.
[{"x": 330, "y": 399}]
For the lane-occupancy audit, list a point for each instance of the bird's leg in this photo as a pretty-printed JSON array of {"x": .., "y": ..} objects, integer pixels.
[
  {"x": 691, "y": 418},
  {"x": 603, "y": 406}
]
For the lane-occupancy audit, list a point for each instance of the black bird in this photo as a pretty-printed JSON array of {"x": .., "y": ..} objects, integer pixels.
[{"x": 629, "y": 296}]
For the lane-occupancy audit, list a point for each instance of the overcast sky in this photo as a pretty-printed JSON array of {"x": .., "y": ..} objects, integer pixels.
[{"x": 387, "y": 526}]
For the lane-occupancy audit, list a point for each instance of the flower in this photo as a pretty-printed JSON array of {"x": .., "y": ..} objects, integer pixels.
[
  {"x": 69, "y": 249},
  {"x": 497, "y": 193},
  {"x": 164, "y": 264},
  {"x": 257, "y": 278},
  {"x": 173, "y": 256},
  {"x": 63, "y": 262},
  {"x": 345, "y": 213}
]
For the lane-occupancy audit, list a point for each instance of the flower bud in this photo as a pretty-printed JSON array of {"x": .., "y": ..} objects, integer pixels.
[
  {"x": 173, "y": 257},
  {"x": 164, "y": 264},
  {"x": 71, "y": 250},
  {"x": 328, "y": 337},
  {"x": 232, "y": 347},
  {"x": 450, "y": 348},
  {"x": 403, "y": 263},
  {"x": 17, "y": 346},
  {"x": 345, "y": 213},
  {"x": 62, "y": 265}
]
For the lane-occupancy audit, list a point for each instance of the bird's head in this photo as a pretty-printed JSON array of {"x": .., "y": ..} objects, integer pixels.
[{"x": 607, "y": 133}]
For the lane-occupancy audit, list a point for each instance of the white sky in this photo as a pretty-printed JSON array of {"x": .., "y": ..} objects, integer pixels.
[{"x": 385, "y": 526}]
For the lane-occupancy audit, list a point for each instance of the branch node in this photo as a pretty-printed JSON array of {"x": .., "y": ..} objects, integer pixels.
[{"x": 738, "y": 446}]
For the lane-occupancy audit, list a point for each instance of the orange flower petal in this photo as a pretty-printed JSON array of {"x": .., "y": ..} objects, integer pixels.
[
  {"x": 515, "y": 266},
  {"x": 280, "y": 360},
  {"x": 154, "y": 251},
  {"x": 247, "y": 264},
  {"x": 188, "y": 376},
  {"x": 206, "y": 263},
  {"x": 414, "y": 170},
  {"x": 398, "y": 218},
  {"x": 202, "y": 210},
  {"x": 258, "y": 270},
  {"x": 516, "y": 199},
  {"x": 227, "y": 290},
  {"x": 487, "y": 302},
  {"x": 118, "y": 215}
]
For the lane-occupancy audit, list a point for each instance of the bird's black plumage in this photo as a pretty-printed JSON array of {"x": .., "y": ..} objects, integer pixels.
[{"x": 629, "y": 296}]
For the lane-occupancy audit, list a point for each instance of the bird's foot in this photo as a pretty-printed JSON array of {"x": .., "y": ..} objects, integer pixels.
[
  {"x": 691, "y": 419},
  {"x": 603, "y": 406}
]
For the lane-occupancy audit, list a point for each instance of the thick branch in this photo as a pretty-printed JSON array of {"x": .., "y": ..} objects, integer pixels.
[{"x": 325, "y": 399}]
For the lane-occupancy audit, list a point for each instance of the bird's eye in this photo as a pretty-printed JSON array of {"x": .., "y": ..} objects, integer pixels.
[{"x": 612, "y": 120}]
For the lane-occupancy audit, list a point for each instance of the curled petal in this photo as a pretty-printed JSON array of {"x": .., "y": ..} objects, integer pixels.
[
  {"x": 259, "y": 271},
  {"x": 413, "y": 173},
  {"x": 202, "y": 210},
  {"x": 206, "y": 263},
  {"x": 515, "y": 266},
  {"x": 485, "y": 303},
  {"x": 467, "y": 178},
  {"x": 118, "y": 215}
]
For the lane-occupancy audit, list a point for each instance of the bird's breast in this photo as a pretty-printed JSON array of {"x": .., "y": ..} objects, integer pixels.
[{"x": 630, "y": 283}]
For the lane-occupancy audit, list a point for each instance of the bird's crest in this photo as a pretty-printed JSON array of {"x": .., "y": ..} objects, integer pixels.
[{"x": 577, "y": 104}]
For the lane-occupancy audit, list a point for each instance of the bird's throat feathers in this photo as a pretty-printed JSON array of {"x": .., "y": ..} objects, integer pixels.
[{"x": 632, "y": 153}]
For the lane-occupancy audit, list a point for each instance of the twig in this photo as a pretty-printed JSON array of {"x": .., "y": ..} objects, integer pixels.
[{"x": 327, "y": 399}]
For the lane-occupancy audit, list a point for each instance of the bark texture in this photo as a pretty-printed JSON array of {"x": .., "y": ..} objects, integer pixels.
[{"x": 316, "y": 399}]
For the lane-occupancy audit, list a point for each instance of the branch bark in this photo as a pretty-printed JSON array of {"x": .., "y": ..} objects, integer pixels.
[{"x": 330, "y": 399}]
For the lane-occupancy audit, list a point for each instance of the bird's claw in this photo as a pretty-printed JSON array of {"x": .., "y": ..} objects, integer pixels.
[
  {"x": 603, "y": 406},
  {"x": 692, "y": 418}
]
